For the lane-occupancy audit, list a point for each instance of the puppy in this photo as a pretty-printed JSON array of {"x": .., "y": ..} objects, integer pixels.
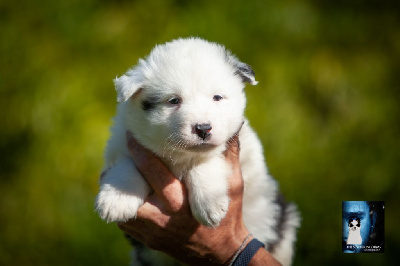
[
  {"x": 354, "y": 232},
  {"x": 184, "y": 102}
]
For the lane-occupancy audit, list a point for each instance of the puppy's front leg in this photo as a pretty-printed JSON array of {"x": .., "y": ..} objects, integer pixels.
[
  {"x": 122, "y": 192},
  {"x": 207, "y": 184}
]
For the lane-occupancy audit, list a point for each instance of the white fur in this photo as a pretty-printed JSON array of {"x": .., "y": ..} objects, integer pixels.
[
  {"x": 194, "y": 71},
  {"x": 354, "y": 237}
]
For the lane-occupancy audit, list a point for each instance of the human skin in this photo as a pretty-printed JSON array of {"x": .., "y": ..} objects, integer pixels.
[{"x": 165, "y": 223}]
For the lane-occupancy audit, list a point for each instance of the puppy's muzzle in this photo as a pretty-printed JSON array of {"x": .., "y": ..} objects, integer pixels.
[{"x": 203, "y": 130}]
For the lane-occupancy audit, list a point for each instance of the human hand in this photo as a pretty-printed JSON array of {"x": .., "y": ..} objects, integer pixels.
[{"x": 165, "y": 222}]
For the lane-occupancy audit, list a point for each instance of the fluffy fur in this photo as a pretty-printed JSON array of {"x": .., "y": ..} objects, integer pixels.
[
  {"x": 184, "y": 102},
  {"x": 354, "y": 232}
]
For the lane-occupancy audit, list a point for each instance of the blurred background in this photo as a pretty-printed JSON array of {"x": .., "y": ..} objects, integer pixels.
[{"x": 326, "y": 108}]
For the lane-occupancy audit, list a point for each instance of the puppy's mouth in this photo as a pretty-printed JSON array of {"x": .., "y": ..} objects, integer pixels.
[
  {"x": 181, "y": 143},
  {"x": 201, "y": 147}
]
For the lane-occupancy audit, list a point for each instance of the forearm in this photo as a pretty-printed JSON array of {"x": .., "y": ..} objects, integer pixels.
[
  {"x": 254, "y": 251},
  {"x": 263, "y": 257}
]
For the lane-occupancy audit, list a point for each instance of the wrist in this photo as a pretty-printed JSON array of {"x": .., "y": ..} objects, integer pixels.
[
  {"x": 228, "y": 247},
  {"x": 219, "y": 249},
  {"x": 239, "y": 250},
  {"x": 246, "y": 253}
]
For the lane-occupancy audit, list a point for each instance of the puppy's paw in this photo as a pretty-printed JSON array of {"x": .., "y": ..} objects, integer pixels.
[
  {"x": 122, "y": 192},
  {"x": 210, "y": 212},
  {"x": 115, "y": 206}
]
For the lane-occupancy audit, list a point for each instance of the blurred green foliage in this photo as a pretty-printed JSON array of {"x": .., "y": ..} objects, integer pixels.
[{"x": 326, "y": 108}]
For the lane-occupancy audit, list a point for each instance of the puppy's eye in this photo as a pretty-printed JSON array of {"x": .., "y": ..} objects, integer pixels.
[
  {"x": 175, "y": 100},
  {"x": 217, "y": 98}
]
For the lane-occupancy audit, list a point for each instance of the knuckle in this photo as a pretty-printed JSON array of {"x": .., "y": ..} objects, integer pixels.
[
  {"x": 175, "y": 207},
  {"x": 175, "y": 197}
]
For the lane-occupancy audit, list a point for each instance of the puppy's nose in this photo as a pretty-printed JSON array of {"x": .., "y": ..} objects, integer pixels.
[{"x": 203, "y": 130}]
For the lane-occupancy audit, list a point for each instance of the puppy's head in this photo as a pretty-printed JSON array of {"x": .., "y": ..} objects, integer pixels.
[
  {"x": 354, "y": 224},
  {"x": 187, "y": 95}
]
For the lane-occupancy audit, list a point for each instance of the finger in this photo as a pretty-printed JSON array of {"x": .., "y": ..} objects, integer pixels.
[
  {"x": 233, "y": 149},
  {"x": 232, "y": 156},
  {"x": 130, "y": 230},
  {"x": 163, "y": 182},
  {"x": 232, "y": 153},
  {"x": 146, "y": 213}
]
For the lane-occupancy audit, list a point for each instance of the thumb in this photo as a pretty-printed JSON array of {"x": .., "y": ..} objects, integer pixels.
[{"x": 233, "y": 150}]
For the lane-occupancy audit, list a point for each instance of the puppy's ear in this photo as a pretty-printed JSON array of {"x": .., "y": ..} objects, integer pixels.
[
  {"x": 128, "y": 84},
  {"x": 241, "y": 69},
  {"x": 246, "y": 73}
]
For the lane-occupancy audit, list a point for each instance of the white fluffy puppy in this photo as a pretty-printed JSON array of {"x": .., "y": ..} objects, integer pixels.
[
  {"x": 184, "y": 102},
  {"x": 354, "y": 237}
]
